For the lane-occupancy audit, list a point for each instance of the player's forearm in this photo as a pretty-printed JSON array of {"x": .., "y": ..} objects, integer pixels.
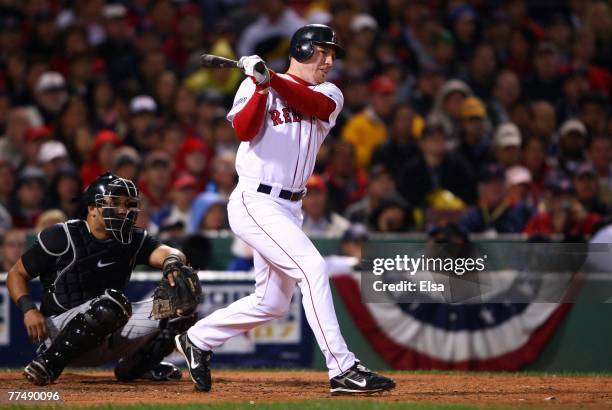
[
  {"x": 247, "y": 121},
  {"x": 160, "y": 254},
  {"x": 302, "y": 98},
  {"x": 17, "y": 282}
]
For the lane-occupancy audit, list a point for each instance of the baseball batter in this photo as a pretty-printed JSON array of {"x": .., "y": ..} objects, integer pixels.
[{"x": 282, "y": 119}]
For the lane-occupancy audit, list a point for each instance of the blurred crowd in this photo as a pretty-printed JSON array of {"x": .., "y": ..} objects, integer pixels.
[{"x": 493, "y": 116}]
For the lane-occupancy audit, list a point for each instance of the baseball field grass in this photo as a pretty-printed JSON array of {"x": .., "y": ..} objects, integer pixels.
[{"x": 309, "y": 390}]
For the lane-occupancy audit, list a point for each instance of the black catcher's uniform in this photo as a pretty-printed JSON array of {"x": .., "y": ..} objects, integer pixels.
[{"x": 75, "y": 267}]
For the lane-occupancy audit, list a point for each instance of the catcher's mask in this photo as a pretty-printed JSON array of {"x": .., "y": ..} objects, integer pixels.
[{"x": 119, "y": 202}]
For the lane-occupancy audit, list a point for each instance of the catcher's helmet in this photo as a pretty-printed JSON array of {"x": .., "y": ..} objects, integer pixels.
[
  {"x": 111, "y": 194},
  {"x": 301, "y": 47}
]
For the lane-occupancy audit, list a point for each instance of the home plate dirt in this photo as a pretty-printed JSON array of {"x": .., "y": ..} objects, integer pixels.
[{"x": 542, "y": 391}]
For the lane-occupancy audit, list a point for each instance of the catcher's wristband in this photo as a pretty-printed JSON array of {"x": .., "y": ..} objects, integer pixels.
[
  {"x": 25, "y": 304},
  {"x": 171, "y": 263}
]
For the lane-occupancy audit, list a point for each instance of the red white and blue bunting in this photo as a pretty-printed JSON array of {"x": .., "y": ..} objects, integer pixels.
[{"x": 489, "y": 336}]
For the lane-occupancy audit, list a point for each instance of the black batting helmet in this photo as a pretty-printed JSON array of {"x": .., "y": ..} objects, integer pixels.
[{"x": 301, "y": 47}]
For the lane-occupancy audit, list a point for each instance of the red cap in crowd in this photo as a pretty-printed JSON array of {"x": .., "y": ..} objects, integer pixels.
[
  {"x": 37, "y": 133},
  {"x": 383, "y": 84},
  {"x": 185, "y": 181}
]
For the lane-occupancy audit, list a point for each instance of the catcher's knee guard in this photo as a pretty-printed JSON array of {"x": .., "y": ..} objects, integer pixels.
[
  {"x": 109, "y": 312},
  {"x": 106, "y": 314},
  {"x": 161, "y": 345}
]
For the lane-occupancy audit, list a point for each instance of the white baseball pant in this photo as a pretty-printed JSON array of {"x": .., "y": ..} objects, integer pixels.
[{"x": 283, "y": 256}]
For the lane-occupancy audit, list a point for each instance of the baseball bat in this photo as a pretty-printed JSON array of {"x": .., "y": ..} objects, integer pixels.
[{"x": 213, "y": 61}]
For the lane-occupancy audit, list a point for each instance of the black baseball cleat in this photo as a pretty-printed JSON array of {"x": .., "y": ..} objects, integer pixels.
[
  {"x": 39, "y": 373},
  {"x": 360, "y": 380},
  {"x": 197, "y": 361},
  {"x": 163, "y": 372}
]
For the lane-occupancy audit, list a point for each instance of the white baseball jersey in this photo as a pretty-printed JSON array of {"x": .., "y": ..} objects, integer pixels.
[{"x": 285, "y": 149}]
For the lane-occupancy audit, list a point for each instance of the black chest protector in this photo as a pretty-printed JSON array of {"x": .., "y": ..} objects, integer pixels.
[{"x": 87, "y": 268}]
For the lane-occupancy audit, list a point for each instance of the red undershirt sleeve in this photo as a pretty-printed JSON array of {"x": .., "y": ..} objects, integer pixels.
[
  {"x": 247, "y": 121},
  {"x": 303, "y": 99}
]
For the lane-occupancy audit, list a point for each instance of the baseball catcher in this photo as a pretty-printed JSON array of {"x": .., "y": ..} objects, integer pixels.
[{"x": 84, "y": 266}]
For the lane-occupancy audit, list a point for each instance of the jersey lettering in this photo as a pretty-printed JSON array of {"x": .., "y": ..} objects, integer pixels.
[
  {"x": 275, "y": 116},
  {"x": 287, "y": 115},
  {"x": 297, "y": 117}
]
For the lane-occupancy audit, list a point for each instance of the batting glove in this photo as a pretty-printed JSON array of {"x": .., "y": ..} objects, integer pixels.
[{"x": 256, "y": 68}]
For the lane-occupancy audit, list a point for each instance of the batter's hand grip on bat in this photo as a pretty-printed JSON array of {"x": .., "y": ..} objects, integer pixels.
[
  {"x": 260, "y": 68},
  {"x": 212, "y": 61}
]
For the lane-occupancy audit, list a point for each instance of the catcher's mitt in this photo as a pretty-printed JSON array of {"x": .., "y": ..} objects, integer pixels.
[{"x": 179, "y": 300}]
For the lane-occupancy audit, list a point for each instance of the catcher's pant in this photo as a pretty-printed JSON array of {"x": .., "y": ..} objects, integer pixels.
[
  {"x": 137, "y": 331},
  {"x": 283, "y": 257}
]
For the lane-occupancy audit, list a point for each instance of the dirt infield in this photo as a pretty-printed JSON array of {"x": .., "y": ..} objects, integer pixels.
[{"x": 88, "y": 388}]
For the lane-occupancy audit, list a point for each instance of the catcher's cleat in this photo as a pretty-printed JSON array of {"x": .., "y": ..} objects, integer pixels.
[
  {"x": 197, "y": 362},
  {"x": 163, "y": 372},
  {"x": 39, "y": 373},
  {"x": 360, "y": 380}
]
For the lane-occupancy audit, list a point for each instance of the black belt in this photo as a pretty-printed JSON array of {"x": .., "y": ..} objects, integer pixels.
[{"x": 284, "y": 194}]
